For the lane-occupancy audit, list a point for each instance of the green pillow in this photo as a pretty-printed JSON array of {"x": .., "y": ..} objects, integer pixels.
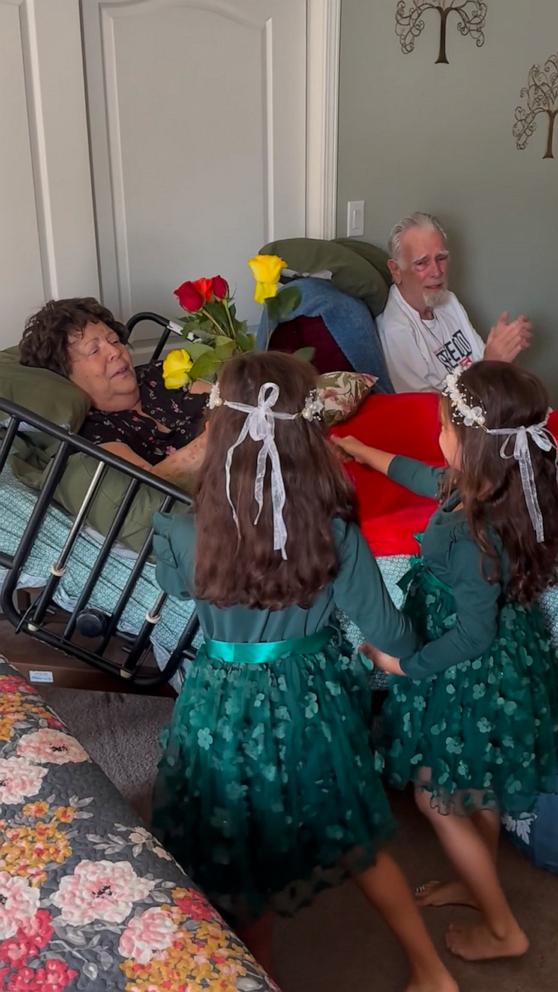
[
  {"x": 43, "y": 392},
  {"x": 376, "y": 256},
  {"x": 58, "y": 400},
  {"x": 351, "y": 273},
  {"x": 74, "y": 484}
]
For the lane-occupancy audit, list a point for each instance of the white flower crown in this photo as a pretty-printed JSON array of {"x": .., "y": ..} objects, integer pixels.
[
  {"x": 539, "y": 434},
  {"x": 312, "y": 410},
  {"x": 471, "y": 415}
]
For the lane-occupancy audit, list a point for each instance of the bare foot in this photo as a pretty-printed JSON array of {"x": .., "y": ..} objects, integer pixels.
[
  {"x": 444, "y": 894},
  {"x": 475, "y": 942},
  {"x": 441, "y": 983}
]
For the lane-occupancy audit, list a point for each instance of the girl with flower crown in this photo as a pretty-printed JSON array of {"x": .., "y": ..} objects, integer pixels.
[
  {"x": 267, "y": 790},
  {"x": 471, "y": 718}
]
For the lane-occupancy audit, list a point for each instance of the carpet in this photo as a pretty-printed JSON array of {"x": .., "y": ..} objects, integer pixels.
[
  {"x": 120, "y": 731},
  {"x": 339, "y": 944}
]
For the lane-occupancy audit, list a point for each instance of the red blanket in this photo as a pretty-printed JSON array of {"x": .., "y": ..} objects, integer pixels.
[{"x": 407, "y": 424}]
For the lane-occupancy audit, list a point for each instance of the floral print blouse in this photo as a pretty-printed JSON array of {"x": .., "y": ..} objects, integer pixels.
[{"x": 180, "y": 411}]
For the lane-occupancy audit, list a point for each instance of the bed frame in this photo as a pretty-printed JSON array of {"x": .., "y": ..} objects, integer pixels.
[{"x": 40, "y": 617}]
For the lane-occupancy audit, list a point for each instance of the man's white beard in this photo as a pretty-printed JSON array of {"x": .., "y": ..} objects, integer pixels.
[{"x": 434, "y": 297}]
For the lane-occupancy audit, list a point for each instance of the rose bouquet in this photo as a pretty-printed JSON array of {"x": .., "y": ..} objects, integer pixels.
[{"x": 212, "y": 329}]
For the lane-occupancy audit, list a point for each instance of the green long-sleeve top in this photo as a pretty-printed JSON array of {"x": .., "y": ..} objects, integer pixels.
[
  {"x": 452, "y": 555},
  {"x": 358, "y": 589}
]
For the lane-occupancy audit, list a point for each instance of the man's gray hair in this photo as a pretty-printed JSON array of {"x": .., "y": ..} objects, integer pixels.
[{"x": 417, "y": 219}]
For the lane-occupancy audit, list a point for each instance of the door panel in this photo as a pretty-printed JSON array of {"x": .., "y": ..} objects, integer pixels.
[{"x": 197, "y": 123}]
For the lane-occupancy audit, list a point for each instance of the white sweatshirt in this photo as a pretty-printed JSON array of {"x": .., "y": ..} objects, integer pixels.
[{"x": 420, "y": 353}]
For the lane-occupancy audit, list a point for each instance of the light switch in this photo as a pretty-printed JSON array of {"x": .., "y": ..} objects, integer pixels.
[{"x": 355, "y": 218}]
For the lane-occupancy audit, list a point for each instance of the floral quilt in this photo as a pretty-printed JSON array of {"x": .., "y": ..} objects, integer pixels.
[{"x": 88, "y": 898}]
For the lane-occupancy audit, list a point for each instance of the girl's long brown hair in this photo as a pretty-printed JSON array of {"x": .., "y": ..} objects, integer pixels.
[
  {"x": 243, "y": 569},
  {"x": 490, "y": 485}
]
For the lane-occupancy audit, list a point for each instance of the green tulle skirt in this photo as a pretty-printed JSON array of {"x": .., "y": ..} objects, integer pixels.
[
  {"x": 481, "y": 734},
  {"x": 268, "y": 788}
]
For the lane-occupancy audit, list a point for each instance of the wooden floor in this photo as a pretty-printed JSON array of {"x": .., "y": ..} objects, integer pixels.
[{"x": 42, "y": 664}]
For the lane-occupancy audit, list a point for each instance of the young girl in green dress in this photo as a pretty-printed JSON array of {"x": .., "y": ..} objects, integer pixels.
[
  {"x": 267, "y": 790},
  {"x": 474, "y": 721}
]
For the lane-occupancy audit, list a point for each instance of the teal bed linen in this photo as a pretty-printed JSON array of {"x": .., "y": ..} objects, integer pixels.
[{"x": 16, "y": 504}]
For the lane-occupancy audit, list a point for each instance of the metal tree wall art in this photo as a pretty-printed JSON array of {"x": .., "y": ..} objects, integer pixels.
[
  {"x": 540, "y": 98},
  {"x": 409, "y": 22}
]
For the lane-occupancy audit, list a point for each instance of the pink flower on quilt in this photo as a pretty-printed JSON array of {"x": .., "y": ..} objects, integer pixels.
[
  {"x": 146, "y": 934},
  {"x": 29, "y": 939},
  {"x": 55, "y": 976},
  {"x": 19, "y": 779},
  {"x": 51, "y": 746},
  {"x": 14, "y": 683},
  {"x": 194, "y": 905},
  {"x": 19, "y": 902},
  {"x": 100, "y": 890}
]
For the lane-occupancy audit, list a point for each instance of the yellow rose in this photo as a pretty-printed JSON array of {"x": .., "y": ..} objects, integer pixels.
[
  {"x": 264, "y": 291},
  {"x": 266, "y": 270},
  {"x": 176, "y": 366}
]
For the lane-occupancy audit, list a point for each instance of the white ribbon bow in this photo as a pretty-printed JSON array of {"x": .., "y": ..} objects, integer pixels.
[
  {"x": 544, "y": 439},
  {"x": 260, "y": 425}
]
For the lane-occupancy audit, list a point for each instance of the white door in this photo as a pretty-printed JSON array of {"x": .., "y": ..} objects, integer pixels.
[{"x": 198, "y": 135}]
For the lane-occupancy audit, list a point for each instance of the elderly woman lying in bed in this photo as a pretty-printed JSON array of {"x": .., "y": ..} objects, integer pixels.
[{"x": 132, "y": 414}]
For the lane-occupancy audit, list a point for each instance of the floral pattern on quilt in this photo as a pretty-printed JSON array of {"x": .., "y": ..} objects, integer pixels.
[{"x": 89, "y": 899}]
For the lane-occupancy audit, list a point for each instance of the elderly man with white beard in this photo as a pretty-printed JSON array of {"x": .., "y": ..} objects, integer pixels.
[{"x": 424, "y": 330}]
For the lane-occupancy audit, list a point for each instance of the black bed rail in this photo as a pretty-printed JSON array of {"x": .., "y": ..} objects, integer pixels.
[
  {"x": 37, "y": 620},
  {"x": 169, "y": 327}
]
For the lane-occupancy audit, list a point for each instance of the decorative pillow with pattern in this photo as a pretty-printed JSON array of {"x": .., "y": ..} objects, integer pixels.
[{"x": 342, "y": 393}]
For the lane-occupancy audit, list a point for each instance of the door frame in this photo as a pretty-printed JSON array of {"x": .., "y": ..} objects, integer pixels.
[{"x": 322, "y": 103}]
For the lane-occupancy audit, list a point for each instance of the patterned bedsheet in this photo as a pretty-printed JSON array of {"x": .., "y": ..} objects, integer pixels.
[
  {"x": 88, "y": 899},
  {"x": 16, "y": 503}
]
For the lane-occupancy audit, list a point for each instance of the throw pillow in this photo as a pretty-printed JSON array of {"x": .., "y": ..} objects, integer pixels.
[
  {"x": 342, "y": 393},
  {"x": 42, "y": 392},
  {"x": 351, "y": 272}
]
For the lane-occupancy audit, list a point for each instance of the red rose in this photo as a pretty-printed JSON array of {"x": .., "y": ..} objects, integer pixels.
[
  {"x": 220, "y": 287},
  {"x": 204, "y": 288},
  {"x": 189, "y": 297}
]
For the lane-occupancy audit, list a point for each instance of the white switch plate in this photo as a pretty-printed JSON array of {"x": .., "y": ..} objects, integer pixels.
[{"x": 355, "y": 218}]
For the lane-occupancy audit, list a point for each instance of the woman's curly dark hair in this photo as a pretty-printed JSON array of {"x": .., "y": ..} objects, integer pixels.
[
  {"x": 490, "y": 485},
  {"x": 47, "y": 333},
  {"x": 242, "y": 568}
]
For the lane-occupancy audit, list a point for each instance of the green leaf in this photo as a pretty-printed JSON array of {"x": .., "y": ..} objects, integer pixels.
[
  {"x": 217, "y": 311},
  {"x": 287, "y": 300},
  {"x": 304, "y": 354},
  {"x": 194, "y": 327},
  {"x": 222, "y": 341},
  {"x": 246, "y": 342},
  {"x": 206, "y": 365},
  {"x": 273, "y": 308},
  {"x": 208, "y": 329},
  {"x": 224, "y": 351},
  {"x": 196, "y": 348}
]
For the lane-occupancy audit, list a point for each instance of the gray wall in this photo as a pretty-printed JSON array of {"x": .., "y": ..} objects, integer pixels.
[{"x": 414, "y": 135}]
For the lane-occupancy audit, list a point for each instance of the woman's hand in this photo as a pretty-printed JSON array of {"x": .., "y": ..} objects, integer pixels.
[
  {"x": 199, "y": 386},
  {"x": 385, "y": 662},
  {"x": 351, "y": 446}
]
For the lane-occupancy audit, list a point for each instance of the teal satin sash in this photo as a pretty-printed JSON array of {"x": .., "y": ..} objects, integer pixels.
[{"x": 265, "y": 651}]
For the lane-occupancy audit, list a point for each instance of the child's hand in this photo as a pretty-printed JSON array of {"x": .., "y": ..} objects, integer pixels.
[
  {"x": 385, "y": 662},
  {"x": 352, "y": 447}
]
